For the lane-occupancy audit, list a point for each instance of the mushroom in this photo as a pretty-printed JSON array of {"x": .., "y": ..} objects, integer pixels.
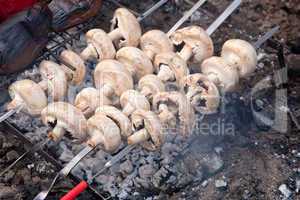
[
  {"x": 29, "y": 95},
  {"x": 99, "y": 46},
  {"x": 218, "y": 71},
  {"x": 112, "y": 78},
  {"x": 118, "y": 117},
  {"x": 65, "y": 118},
  {"x": 125, "y": 29},
  {"x": 202, "y": 93},
  {"x": 241, "y": 55},
  {"x": 54, "y": 80},
  {"x": 77, "y": 76},
  {"x": 149, "y": 85},
  {"x": 89, "y": 99},
  {"x": 155, "y": 42},
  {"x": 148, "y": 130},
  {"x": 132, "y": 100},
  {"x": 173, "y": 106},
  {"x": 194, "y": 44},
  {"x": 170, "y": 67},
  {"x": 135, "y": 61},
  {"x": 102, "y": 130}
]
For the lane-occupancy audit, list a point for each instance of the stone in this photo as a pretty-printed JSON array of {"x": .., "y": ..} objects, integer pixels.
[
  {"x": 285, "y": 191},
  {"x": 146, "y": 171},
  {"x": 11, "y": 156},
  {"x": 221, "y": 184}
]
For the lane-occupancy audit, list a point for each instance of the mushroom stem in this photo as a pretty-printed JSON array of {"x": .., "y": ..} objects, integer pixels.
[
  {"x": 44, "y": 85},
  {"x": 150, "y": 54},
  {"x": 189, "y": 95},
  {"x": 138, "y": 137},
  {"x": 96, "y": 138},
  {"x": 12, "y": 105},
  {"x": 165, "y": 73},
  {"x": 88, "y": 52},
  {"x": 128, "y": 109},
  {"x": 165, "y": 115},
  {"x": 186, "y": 53},
  {"x": 213, "y": 77},
  {"x": 115, "y": 34},
  {"x": 107, "y": 90},
  {"x": 57, "y": 133}
]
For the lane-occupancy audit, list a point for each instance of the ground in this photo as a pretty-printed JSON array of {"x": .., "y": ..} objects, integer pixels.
[{"x": 256, "y": 162}]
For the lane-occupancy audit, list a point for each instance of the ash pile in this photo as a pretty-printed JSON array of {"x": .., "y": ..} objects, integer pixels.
[{"x": 179, "y": 162}]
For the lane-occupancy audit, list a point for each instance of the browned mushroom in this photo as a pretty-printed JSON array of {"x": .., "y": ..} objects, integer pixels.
[
  {"x": 89, "y": 99},
  {"x": 241, "y": 55},
  {"x": 148, "y": 130},
  {"x": 54, "y": 80},
  {"x": 132, "y": 100},
  {"x": 118, "y": 117},
  {"x": 103, "y": 131},
  {"x": 155, "y": 42},
  {"x": 218, "y": 71},
  {"x": 194, "y": 44},
  {"x": 65, "y": 118},
  {"x": 29, "y": 95},
  {"x": 202, "y": 93},
  {"x": 135, "y": 61},
  {"x": 170, "y": 67},
  {"x": 112, "y": 78},
  {"x": 77, "y": 76},
  {"x": 149, "y": 85},
  {"x": 173, "y": 106}
]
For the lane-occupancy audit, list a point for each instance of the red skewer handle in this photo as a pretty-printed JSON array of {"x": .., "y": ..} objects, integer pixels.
[{"x": 76, "y": 191}]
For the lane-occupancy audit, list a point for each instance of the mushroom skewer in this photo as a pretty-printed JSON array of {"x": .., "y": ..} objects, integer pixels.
[{"x": 194, "y": 43}]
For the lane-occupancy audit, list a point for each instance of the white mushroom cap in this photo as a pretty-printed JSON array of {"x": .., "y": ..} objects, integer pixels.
[
  {"x": 202, "y": 93},
  {"x": 223, "y": 75},
  {"x": 125, "y": 29},
  {"x": 155, "y": 42},
  {"x": 135, "y": 61},
  {"x": 102, "y": 130},
  {"x": 118, "y": 117},
  {"x": 114, "y": 76},
  {"x": 77, "y": 76},
  {"x": 149, "y": 85},
  {"x": 148, "y": 130},
  {"x": 99, "y": 46},
  {"x": 54, "y": 80},
  {"x": 240, "y": 54},
  {"x": 197, "y": 44},
  {"x": 170, "y": 67},
  {"x": 89, "y": 99},
  {"x": 174, "y": 109},
  {"x": 29, "y": 94},
  {"x": 132, "y": 100},
  {"x": 65, "y": 117}
]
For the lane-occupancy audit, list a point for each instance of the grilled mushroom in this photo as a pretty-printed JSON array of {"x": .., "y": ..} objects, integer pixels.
[
  {"x": 155, "y": 42},
  {"x": 132, "y": 100},
  {"x": 170, "y": 67},
  {"x": 149, "y": 85},
  {"x": 202, "y": 93},
  {"x": 148, "y": 130},
  {"x": 99, "y": 46},
  {"x": 54, "y": 80},
  {"x": 28, "y": 94},
  {"x": 65, "y": 118},
  {"x": 218, "y": 71},
  {"x": 77, "y": 76},
  {"x": 194, "y": 44},
  {"x": 173, "y": 106},
  {"x": 112, "y": 78},
  {"x": 89, "y": 99},
  {"x": 118, "y": 117},
  {"x": 241, "y": 55},
  {"x": 125, "y": 29},
  {"x": 135, "y": 61},
  {"x": 102, "y": 130}
]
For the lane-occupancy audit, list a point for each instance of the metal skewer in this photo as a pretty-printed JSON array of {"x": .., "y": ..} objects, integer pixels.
[{"x": 11, "y": 112}]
